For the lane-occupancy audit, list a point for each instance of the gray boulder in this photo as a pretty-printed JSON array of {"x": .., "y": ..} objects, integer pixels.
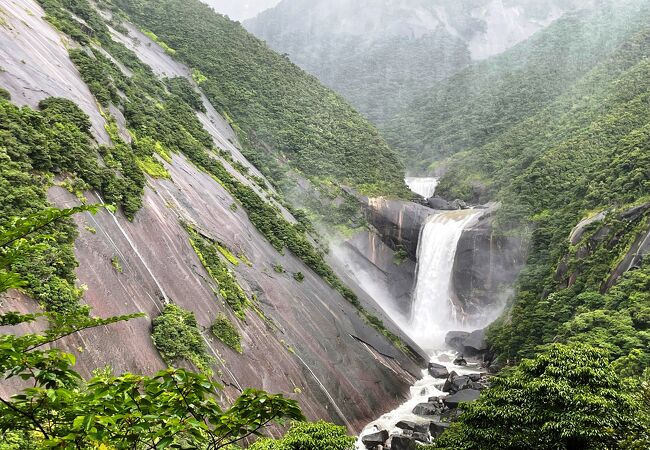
[
  {"x": 403, "y": 443},
  {"x": 440, "y": 203},
  {"x": 458, "y": 204},
  {"x": 470, "y": 344},
  {"x": 427, "y": 409},
  {"x": 465, "y": 395},
  {"x": 460, "y": 361},
  {"x": 455, "y": 339},
  {"x": 436, "y": 428},
  {"x": 422, "y": 437},
  {"x": 438, "y": 370},
  {"x": 406, "y": 425},
  {"x": 374, "y": 439},
  {"x": 475, "y": 343}
]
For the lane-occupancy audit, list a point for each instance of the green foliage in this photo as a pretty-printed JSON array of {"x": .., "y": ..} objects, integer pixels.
[
  {"x": 33, "y": 146},
  {"x": 176, "y": 335},
  {"x": 309, "y": 436},
  {"x": 115, "y": 262},
  {"x": 277, "y": 268},
  {"x": 299, "y": 276},
  {"x": 157, "y": 40},
  {"x": 274, "y": 104},
  {"x": 568, "y": 397},
  {"x": 378, "y": 72},
  {"x": 477, "y": 105},
  {"x": 226, "y": 332},
  {"x": 232, "y": 259},
  {"x": 227, "y": 284},
  {"x": 182, "y": 88},
  {"x": 401, "y": 255},
  {"x": 152, "y": 167}
]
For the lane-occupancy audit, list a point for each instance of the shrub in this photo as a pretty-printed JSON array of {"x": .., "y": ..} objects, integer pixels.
[
  {"x": 176, "y": 335},
  {"x": 309, "y": 436},
  {"x": 225, "y": 331}
]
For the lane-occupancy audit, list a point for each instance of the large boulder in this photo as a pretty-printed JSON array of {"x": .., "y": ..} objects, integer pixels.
[
  {"x": 402, "y": 443},
  {"x": 374, "y": 439},
  {"x": 471, "y": 344},
  {"x": 427, "y": 409},
  {"x": 455, "y": 339},
  {"x": 456, "y": 383},
  {"x": 441, "y": 204},
  {"x": 475, "y": 343},
  {"x": 438, "y": 370},
  {"x": 465, "y": 395},
  {"x": 406, "y": 425},
  {"x": 436, "y": 428}
]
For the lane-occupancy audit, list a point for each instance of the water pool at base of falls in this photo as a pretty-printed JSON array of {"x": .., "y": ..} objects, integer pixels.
[{"x": 421, "y": 391}]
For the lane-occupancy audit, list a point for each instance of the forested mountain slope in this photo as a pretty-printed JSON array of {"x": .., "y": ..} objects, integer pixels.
[
  {"x": 381, "y": 55},
  {"x": 576, "y": 176},
  {"x": 472, "y": 107},
  {"x": 230, "y": 282},
  {"x": 280, "y": 110}
]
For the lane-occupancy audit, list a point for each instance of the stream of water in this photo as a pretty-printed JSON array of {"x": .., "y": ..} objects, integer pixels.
[
  {"x": 433, "y": 312},
  {"x": 424, "y": 186}
]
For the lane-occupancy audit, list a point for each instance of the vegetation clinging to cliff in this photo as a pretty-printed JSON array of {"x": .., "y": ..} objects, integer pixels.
[{"x": 276, "y": 106}]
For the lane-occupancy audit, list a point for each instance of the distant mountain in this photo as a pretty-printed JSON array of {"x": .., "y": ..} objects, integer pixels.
[
  {"x": 476, "y": 105},
  {"x": 241, "y": 9},
  {"x": 381, "y": 54}
]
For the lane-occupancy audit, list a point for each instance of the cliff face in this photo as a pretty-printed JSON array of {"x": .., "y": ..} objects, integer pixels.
[
  {"x": 485, "y": 267},
  {"x": 312, "y": 343}
]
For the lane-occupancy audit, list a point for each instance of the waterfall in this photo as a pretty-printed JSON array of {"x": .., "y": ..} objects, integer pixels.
[
  {"x": 433, "y": 312},
  {"x": 425, "y": 187}
]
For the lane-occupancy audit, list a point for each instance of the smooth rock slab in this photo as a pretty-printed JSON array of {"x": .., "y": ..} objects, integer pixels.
[
  {"x": 374, "y": 439},
  {"x": 466, "y": 395}
]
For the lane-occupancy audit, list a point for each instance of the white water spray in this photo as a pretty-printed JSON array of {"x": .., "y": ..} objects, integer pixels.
[
  {"x": 423, "y": 186},
  {"x": 434, "y": 312}
]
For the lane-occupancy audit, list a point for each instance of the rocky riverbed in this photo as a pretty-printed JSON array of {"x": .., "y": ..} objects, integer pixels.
[{"x": 449, "y": 380}]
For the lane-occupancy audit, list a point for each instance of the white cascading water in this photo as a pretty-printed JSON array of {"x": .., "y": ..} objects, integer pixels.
[
  {"x": 433, "y": 312},
  {"x": 424, "y": 186}
]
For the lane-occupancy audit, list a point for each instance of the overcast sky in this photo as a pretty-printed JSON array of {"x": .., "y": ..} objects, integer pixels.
[{"x": 241, "y": 9}]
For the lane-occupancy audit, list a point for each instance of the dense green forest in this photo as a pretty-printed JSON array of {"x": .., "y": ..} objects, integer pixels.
[
  {"x": 585, "y": 153},
  {"x": 485, "y": 100},
  {"x": 283, "y": 115}
]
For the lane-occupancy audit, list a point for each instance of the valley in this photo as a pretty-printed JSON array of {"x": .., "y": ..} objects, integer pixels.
[{"x": 203, "y": 245}]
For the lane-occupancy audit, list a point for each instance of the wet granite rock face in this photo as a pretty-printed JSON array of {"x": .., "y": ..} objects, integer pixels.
[
  {"x": 345, "y": 369},
  {"x": 365, "y": 260},
  {"x": 596, "y": 232},
  {"x": 398, "y": 222},
  {"x": 486, "y": 266}
]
